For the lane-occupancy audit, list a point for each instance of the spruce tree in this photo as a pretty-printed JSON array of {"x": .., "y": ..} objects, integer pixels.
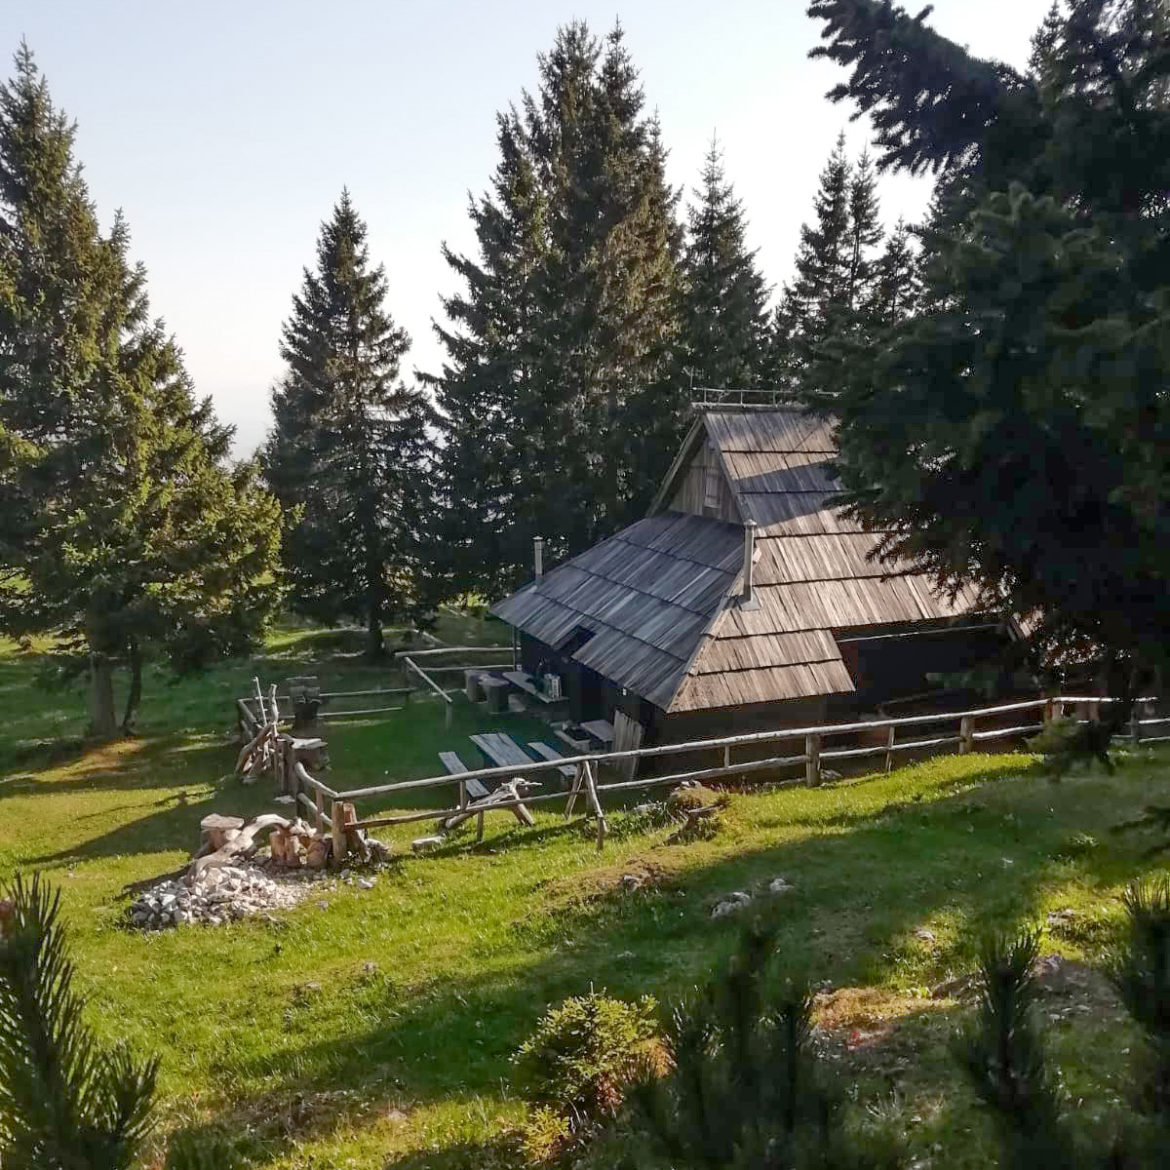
[
  {"x": 724, "y": 328},
  {"x": 349, "y": 446},
  {"x": 1012, "y": 432},
  {"x": 837, "y": 290},
  {"x": 122, "y": 527},
  {"x": 560, "y": 349}
]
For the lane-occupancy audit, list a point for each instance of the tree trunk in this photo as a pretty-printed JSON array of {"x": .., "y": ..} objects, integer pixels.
[
  {"x": 134, "y": 699},
  {"x": 102, "y": 721},
  {"x": 375, "y": 645}
]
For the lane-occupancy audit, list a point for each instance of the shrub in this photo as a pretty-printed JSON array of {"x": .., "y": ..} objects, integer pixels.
[
  {"x": 545, "y": 1136},
  {"x": 583, "y": 1054}
]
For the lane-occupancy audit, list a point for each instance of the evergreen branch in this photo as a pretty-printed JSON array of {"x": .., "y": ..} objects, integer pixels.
[
  {"x": 65, "y": 1102},
  {"x": 931, "y": 102}
]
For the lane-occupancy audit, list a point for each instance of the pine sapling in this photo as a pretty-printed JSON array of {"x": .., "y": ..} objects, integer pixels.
[
  {"x": 1141, "y": 975},
  {"x": 1003, "y": 1055},
  {"x": 66, "y": 1102},
  {"x": 746, "y": 1089}
]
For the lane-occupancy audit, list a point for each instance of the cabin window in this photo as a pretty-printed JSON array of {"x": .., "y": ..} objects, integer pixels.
[{"x": 711, "y": 494}]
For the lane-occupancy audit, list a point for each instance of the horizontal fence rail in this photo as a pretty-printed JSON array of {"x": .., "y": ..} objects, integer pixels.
[{"x": 313, "y": 795}]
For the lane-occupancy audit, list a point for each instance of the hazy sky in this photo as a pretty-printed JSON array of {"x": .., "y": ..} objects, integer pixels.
[{"x": 225, "y": 131}]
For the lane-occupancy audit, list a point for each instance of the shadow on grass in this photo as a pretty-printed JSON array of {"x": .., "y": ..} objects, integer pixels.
[
  {"x": 985, "y": 857},
  {"x": 130, "y": 764}
]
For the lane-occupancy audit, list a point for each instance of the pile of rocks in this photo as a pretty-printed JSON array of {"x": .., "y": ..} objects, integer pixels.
[
  {"x": 735, "y": 901},
  {"x": 219, "y": 895}
]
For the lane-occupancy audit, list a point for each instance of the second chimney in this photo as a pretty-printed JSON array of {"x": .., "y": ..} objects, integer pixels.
[
  {"x": 749, "y": 557},
  {"x": 538, "y": 555}
]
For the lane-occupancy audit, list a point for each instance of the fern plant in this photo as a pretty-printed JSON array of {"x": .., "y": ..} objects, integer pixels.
[{"x": 66, "y": 1101}]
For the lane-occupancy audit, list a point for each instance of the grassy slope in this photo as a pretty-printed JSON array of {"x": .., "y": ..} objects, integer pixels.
[{"x": 379, "y": 1031}]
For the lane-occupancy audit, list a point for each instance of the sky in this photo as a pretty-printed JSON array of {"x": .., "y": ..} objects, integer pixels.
[{"x": 226, "y": 130}]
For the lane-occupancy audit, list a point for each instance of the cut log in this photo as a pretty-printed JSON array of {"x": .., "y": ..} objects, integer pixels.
[
  {"x": 238, "y": 844},
  {"x": 213, "y": 830}
]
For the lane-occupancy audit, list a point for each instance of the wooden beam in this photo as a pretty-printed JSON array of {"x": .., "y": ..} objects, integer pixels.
[
  {"x": 449, "y": 650},
  {"x": 426, "y": 678}
]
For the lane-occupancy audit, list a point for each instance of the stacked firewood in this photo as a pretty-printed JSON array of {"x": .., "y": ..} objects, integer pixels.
[{"x": 292, "y": 844}]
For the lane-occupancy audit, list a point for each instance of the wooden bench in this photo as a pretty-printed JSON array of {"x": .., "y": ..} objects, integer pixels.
[
  {"x": 454, "y": 766},
  {"x": 548, "y": 752}
]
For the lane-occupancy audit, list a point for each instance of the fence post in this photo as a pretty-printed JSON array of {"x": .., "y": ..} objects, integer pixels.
[
  {"x": 812, "y": 766},
  {"x": 727, "y": 755},
  {"x": 320, "y": 802},
  {"x": 890, "y": 749},
  {"x": 1135, "y": 725},
  {"x": 966, "y": 735},
  {"x": 292, "y": 783},
  {"x": 337, "y": 813},
  {"x": 1095, "y": 711},
  {"x": 447, "y": 715},
  {"x": 1050, "y": 713}
]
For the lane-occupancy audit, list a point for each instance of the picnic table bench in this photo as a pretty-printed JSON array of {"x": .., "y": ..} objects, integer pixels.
[
  {"x": 601, "y": 730},
  {"x": 454, "y": 765},
  {"x": 548, "y": 752},
  {"x": 481, "y": 798}
]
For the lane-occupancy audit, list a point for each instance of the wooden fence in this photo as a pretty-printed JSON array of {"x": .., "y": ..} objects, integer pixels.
[
  {"x": 587, "y": 785},
  {"x": 447, "y": 696}
]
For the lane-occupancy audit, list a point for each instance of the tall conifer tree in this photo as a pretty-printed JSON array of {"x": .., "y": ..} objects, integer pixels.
[
  {"x": 121, "y": 524},
  {"x": 349, "y": 446},
  {"x": 560, "y": 347},
  {"x": 845, "y": 283},
  {"x": 1012, "y": 432},
  {"x": 725, "y": 299}
]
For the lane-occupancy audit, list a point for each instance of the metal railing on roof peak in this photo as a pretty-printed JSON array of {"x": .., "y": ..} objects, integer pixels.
[{"x": 711, "y": 398}]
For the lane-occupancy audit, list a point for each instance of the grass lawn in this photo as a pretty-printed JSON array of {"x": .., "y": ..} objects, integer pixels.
[{"x": 377, "y": 1031}]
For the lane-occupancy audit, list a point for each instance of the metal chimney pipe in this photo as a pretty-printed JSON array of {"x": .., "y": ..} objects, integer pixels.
[
  {"x": 749, "y": 556},
  {"x": 538, "y": 555}
]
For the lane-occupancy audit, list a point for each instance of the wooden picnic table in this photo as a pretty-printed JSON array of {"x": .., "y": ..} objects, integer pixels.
[
  {"x": 494, "y": 745},
  {"x": 502, "y": 749},
  {"x": 524, "y": 680},
  {"x": 600, "y": 729}
]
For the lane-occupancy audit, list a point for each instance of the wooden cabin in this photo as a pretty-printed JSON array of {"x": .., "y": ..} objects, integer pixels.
[{"x": 742, "y": 601}]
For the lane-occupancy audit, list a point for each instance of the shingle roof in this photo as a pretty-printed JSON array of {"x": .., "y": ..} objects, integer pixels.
[
  {"x": 663, "y": 595},
  {"x": 648, "y": 594}
]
